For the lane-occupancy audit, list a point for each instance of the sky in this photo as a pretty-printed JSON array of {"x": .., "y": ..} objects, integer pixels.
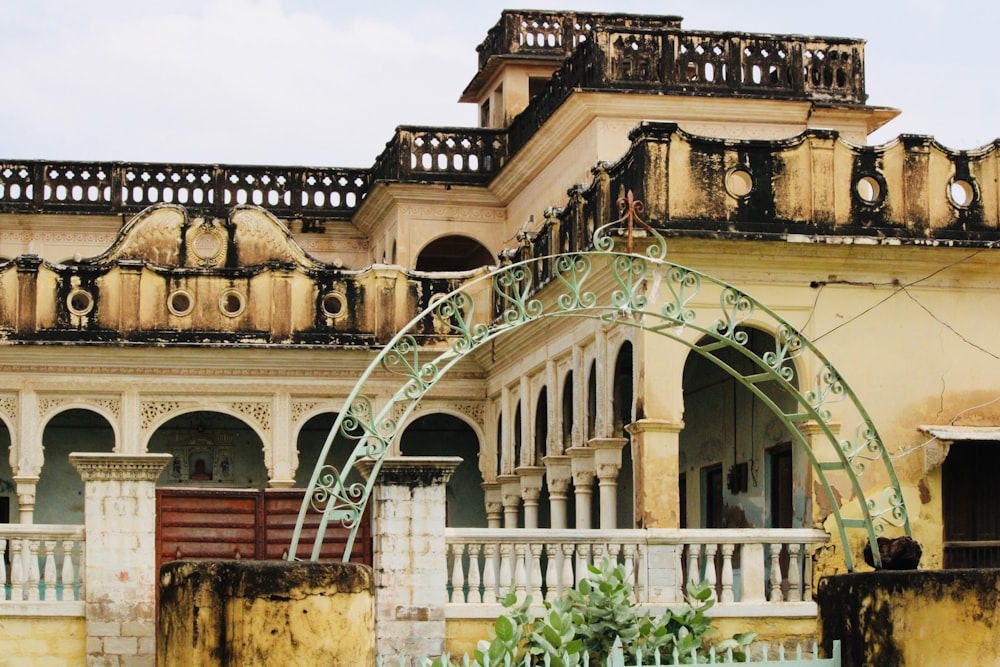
[{"x": 325, "y": 82}]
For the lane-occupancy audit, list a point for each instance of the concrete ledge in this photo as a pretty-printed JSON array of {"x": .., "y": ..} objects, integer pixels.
[
  {"x": 35, "y": 609},
  {"x": 263, "y": 613},
  {"x": 912, "y": 618}
]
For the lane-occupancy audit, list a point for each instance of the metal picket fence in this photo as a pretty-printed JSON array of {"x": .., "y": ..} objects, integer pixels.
[{"x": 798, "y": 657}]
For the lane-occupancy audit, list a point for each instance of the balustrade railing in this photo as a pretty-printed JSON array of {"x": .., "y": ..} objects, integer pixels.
[
  {"x": 126, "y": 188},
  {"x": 446, "y": 155},
  {"x": 41, "y": 563},
  {"x": 743, "y": 566}
]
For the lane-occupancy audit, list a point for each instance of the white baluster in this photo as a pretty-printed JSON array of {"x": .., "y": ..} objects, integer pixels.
[
  {"x": 68, "y": 573},
  {"x": 535, "y": 571},
  {"x": 807, "y": 574},
  {"x": 582, "y": 562},
  {"x": 3, "y": 569},
  {"x": 794, "y": 594},
  {"x": 629, "y": 565},
  {"x": 50, "y": 571},
  {"x": 710, "y": 572},
  {"x": 33, "y": 574},
  {"x": 457, "y": 576},
  {"x": 642, "y": 574},
  {"x": 490, "y": 565},
  {"x": 475, "y": 592},
  {"x": 694, "y": 567},
  {"x": 678, "y": 582},
  {"x": 597, "y": 554},
  {"x": 520, "y": 571},
  {"x": 566, "y": 580},
  {"x": 506, "y": 569},
  {"x": 727, "y": 572},
  {"x": 775, "y": 573},
  {"x": 17, "y": 573},
  {"x": 552, "y": 555}
]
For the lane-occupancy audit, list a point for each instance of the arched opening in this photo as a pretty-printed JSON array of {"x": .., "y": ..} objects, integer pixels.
[
  {"x": 8, "y": 490},
  {"x": 444, "y": 435},
  {"x": 210, "y": 450},
  {"x": 312, "y": 437},
  {"x": 454, "y": 253},
  {"x": 736, "y": 457},
  {"x": 541, "y": 426},
  {"x": 567, "y": 412},
  {"x": 622, "y": 415},
  {"x": 59, "y": 495}
]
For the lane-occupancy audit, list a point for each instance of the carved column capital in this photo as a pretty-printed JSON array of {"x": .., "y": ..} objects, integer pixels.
[
  {"x": 582, "y": 466},
  {"x": 558, "y": 474},
  {"x": 607, "y": 456}
]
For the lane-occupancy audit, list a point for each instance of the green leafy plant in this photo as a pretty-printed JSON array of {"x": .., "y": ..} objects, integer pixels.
[{"x": 589, "y": 619}]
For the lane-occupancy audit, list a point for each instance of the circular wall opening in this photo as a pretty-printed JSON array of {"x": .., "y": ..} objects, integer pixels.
[
  {"x": 334, "y": 304},
  {"x": 180, "y": 302},
  {"x": 80, "y": 302},
  {"x": 231, "y": 303},
  {"x": 739, "y": 182},
  {"x": 869, "y": 189},
  {"x": 962, "y": 193}
]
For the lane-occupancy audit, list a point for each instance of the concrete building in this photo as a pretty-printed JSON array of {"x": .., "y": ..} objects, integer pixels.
[{"x": 221, "y": 314}]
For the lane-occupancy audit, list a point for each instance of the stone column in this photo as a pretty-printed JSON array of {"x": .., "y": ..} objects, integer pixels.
[
  {"x": 558, "y": 474},
  {"x": 120, "y": 573},
  {"x": 494, "y": 506},
  {"x": 283, "y": 446},
  {"x": 656, "y": 447},
  {"x": 510, "y": 496},
  {"x": 410, "y": 559},
  {"x": 531, "y": 489},
  {"x": 26, "y": 488},
  {"x": 582, "y": 466},
  {"x": 607, "y": 464}
]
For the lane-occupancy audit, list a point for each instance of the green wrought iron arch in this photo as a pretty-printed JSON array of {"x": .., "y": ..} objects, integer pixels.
[{"x": 633, "y": 301}]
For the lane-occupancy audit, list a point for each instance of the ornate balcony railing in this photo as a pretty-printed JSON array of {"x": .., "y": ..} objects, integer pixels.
[
  {"x": 442, "y": 155},
  {"x": 115, "y": 188},
  {"x": 541, "y": 33},
  {"x": 743, "y": 566},
  {"x": 40, "y": 563}
]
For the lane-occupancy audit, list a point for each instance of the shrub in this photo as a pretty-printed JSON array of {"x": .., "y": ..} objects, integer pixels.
[{"x": 589, "y": 619}]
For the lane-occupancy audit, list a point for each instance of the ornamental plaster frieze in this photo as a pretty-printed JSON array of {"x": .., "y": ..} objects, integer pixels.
[
  {"x": 474, "y": 410},
  {"x": 119, "y": 468},
  {"x": 301, "y": 410},
  {"x": 154, "y": 412},
  {"x": 48, "y": 404},
  {"x": 298, "y": 374},
  {"x": 57, "y": 237},
  {"x": 432, "y": 212},
  {"x": 8, "y": 407}
]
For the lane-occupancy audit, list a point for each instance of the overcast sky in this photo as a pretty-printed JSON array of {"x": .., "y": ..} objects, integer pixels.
[{"x": 325, "y": 82}]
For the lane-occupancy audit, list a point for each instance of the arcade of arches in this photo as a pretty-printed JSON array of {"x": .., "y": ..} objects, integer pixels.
[{"x": 736, "y": 466}]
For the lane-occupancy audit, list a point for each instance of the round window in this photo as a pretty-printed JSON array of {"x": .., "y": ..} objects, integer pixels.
[
  {"x": 180, "y": 302},
  {"x": 231, "y": 303},
  {"x": 739, "y": 182},
  {"x": 334, "y": 304},
  {"x": 80, "y": 302}
]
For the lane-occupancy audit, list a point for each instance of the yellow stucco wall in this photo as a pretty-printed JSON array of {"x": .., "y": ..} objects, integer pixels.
[{"x": 41, "y": 641}]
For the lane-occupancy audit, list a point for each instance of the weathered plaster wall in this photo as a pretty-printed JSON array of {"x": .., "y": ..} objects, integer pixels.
[
  {"x": 263, "y": 613},
  {"x": 42, "y": 641},
  {"x": 913, "y": 619}
]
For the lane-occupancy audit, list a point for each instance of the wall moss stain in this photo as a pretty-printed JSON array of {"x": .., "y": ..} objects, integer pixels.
[
  {"x": 889, "y": 619},
  {"x": 249, "y": 613}
]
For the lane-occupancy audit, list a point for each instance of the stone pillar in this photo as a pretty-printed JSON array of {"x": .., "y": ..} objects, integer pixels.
[
  {"x": 494, "y": 506},
  {"x": 283, "y": 446},
  {"x": 26, "y": 488},
  {"x": 582, "y": 466},
  {"x": 510, "y": 496},
  {"x": 656, "y": 447},
  {"x": 411, "y": 572},
  {"x": 607, "y": 464},
  {"x": 558, "y": 474},
  {"x": 531, "y": 489},
  {"x": 120, "y": 575}
]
